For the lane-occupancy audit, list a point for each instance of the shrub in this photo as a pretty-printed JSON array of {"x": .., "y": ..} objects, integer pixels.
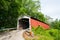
[{"x": 51, "y": 34}]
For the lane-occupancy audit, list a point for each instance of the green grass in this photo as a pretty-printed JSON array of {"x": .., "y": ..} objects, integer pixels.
[{"x": 51, "y": 34}]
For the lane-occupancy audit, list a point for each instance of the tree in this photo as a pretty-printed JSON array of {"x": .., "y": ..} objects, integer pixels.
[
  {"x": 11, "y": 9},
  {"x": 8, "y": 13},
  {"x": 55, "y": 24}
]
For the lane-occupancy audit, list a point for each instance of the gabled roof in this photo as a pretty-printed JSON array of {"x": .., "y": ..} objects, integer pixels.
[{"x": 32, "y": 18}]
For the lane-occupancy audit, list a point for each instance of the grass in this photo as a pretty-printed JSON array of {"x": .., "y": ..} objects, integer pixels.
[{"x": 41, "y": 34}]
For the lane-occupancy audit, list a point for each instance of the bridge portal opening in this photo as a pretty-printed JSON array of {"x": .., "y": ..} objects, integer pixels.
[{"x": 24, "y": 23}]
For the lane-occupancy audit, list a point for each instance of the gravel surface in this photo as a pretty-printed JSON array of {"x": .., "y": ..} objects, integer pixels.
[{"x": 13, "y": 35}]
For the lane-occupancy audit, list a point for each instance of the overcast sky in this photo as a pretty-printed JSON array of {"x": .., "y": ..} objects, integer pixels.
[{"x": 51, "y": 8}]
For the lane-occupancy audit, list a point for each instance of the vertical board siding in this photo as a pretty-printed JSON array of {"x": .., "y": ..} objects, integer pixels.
[{"x": 35, "y": 24}]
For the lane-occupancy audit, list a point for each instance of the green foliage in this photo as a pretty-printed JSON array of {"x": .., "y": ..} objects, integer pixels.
[
  {"x": 51, "y": 34},
  {"x": 55, "y": 24},
  {"x": 8, "y": 14},
  {"x": 11, "y": 9}
]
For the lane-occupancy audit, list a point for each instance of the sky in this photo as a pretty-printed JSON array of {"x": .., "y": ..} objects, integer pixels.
[{"x": 51, "y": 8}]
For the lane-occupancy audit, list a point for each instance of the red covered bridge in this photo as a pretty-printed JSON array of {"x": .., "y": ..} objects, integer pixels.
[{"x": 29, "y": 22}]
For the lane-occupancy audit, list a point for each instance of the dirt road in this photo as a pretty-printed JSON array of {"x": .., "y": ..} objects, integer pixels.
[{"x": 13, "y": 35}]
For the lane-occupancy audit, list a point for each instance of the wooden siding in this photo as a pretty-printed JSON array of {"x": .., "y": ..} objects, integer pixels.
[{"x": 35, "y": 24}]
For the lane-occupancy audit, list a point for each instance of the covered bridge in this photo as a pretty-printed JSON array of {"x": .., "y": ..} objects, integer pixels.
[{"x": 29, "y": 22}]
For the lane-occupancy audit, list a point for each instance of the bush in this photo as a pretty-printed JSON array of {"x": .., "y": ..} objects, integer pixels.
[{"x": 51, "y": 34}]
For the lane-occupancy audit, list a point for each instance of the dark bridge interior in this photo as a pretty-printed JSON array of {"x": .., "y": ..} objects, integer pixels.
[{"x": 24, "y": 23}]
